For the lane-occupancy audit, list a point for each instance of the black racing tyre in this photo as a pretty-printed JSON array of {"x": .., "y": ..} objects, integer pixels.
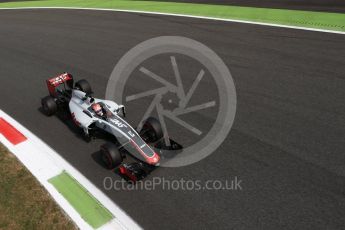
[
  {"x": 153, "y": 126},
  {"x": 111, "y": 155},
  {"x": 49, "y": 105},
  {"x": 84, "y": 86}
]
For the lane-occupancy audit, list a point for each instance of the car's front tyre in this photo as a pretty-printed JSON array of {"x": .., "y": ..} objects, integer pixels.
[
  {"x": 152, "y": 130},
  {"x": 111, "y": 155}
]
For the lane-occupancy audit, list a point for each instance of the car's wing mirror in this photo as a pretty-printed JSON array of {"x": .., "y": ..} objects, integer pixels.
[{"x": 121, "y": 111}]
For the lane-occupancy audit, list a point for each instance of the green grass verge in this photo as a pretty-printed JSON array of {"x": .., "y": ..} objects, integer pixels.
[
  {"x": 24, "y": 203},
  {"x": 82, "y": 201},
  {"x": 318, "y": 20}
]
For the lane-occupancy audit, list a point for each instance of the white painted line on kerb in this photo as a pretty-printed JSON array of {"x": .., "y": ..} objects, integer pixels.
[
  {"x": 181, "y": 15},
  {"x": 44, "y": 163}
]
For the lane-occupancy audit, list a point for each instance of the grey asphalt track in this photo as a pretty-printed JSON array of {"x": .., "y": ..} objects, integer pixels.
[
  {"x": 308, "y": 5},
  {"x": 287, "y": 143}
]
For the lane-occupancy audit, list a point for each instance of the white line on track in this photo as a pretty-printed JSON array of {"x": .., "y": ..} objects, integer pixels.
[{"x": 181, "y": 15}]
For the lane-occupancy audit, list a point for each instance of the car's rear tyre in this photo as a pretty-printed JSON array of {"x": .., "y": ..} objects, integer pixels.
[
  {"x": 49, "y": 105},
  {"x": 84, "y": 86},
  {"x": 111, "y": 155},
  {"x": 153, "y": 129}
]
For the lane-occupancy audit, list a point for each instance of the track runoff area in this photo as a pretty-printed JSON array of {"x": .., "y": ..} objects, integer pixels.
[{"x": 87, "y": 206}]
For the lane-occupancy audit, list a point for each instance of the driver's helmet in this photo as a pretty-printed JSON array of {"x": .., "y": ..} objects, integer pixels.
[{"x": 98, "y": 109}]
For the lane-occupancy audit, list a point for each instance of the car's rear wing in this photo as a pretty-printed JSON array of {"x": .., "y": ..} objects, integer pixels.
[{"x": 54, "y": 82}]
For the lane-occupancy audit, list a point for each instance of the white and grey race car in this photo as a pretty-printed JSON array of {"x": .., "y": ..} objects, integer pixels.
[{"x": 76, "y": 100}]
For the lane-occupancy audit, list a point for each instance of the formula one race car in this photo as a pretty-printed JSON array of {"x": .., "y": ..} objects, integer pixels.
[{"x": 92, "y": 115}]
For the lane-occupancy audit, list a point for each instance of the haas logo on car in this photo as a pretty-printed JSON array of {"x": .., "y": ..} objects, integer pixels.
[
  {"x": 119, "y": 123},
  {"x": 59, "y": 79}
]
